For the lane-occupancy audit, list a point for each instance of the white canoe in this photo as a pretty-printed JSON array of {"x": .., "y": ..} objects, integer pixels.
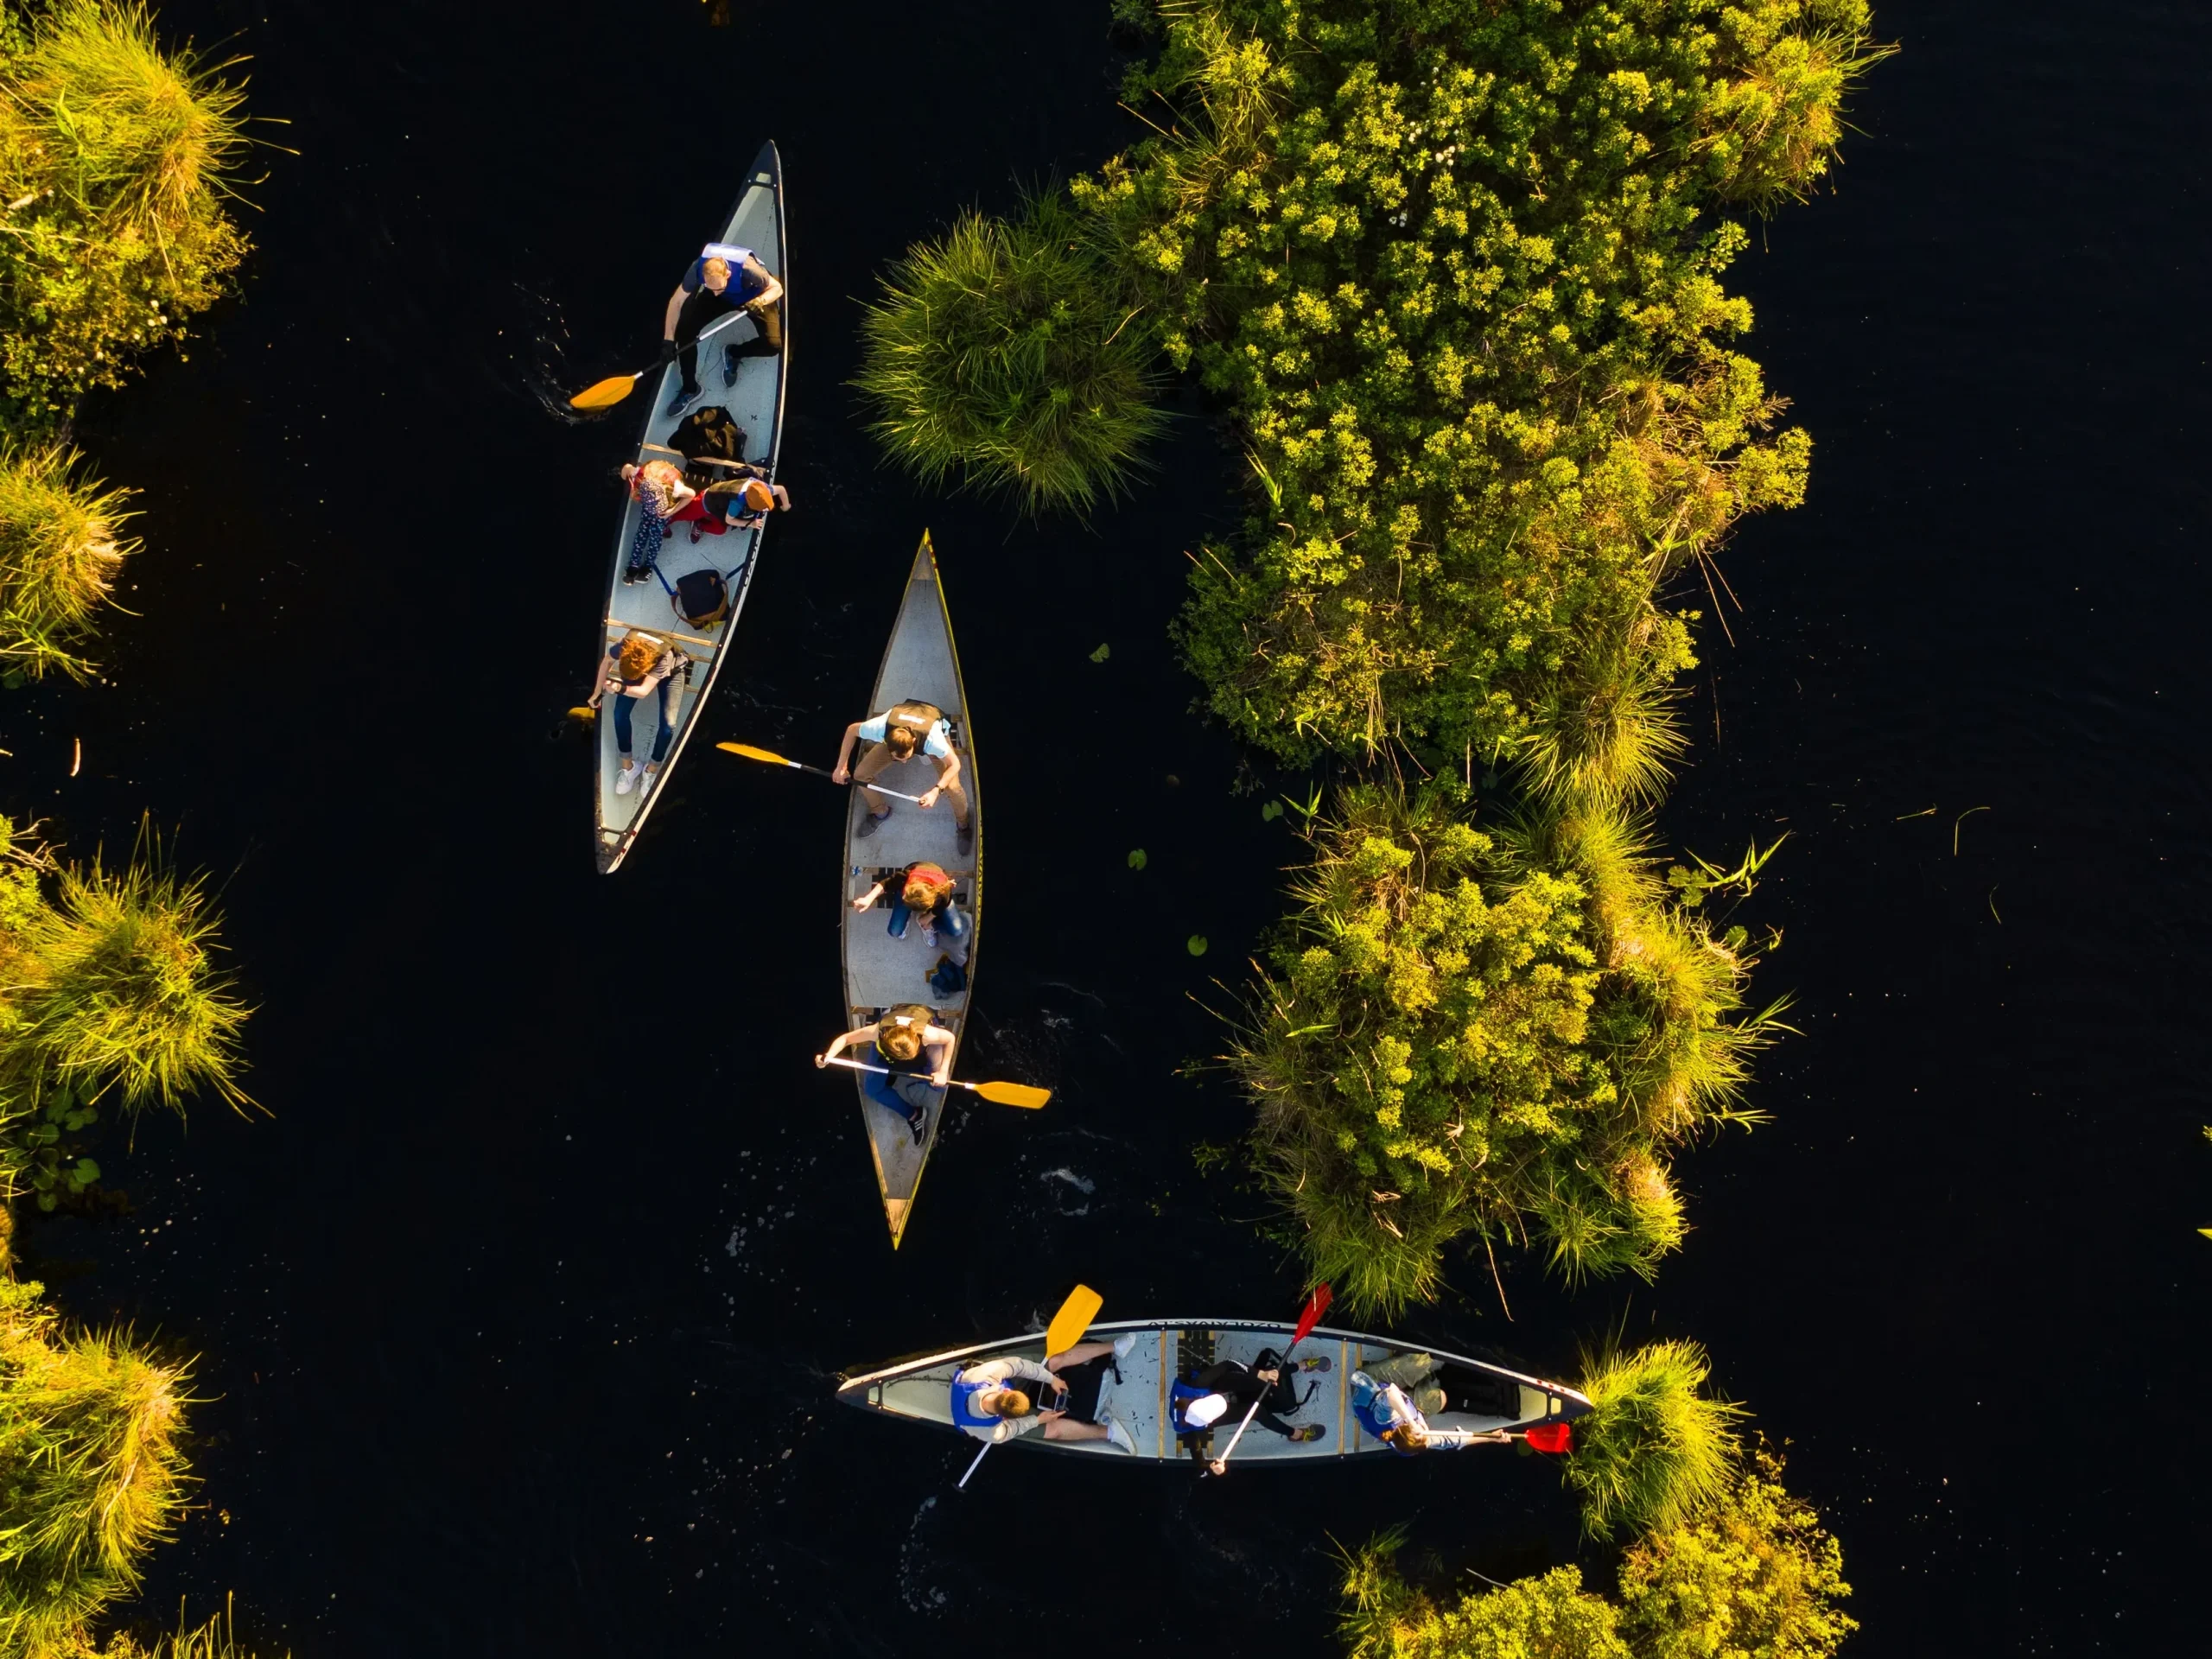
[
  {"x": 921, "y": 1389},
  {"x": 756, "y": 403},
  {"x": 920, "y": 664}
]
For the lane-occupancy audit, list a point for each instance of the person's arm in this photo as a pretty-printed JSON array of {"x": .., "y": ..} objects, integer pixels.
[
  {"x": 869, "y": 897},
  {"x": 774, "y": 290},
  {"x": 675, "y": 306},
  {"x": 940, "y": 1041},
  {"x": 681, "y": 497},
  {"x": 845, "y": 753},
  {"x": 839, "y": 1043},
  {"x": 948, "y": 773},
  {"x": 1458, "y": 1439},
  {"x": 599, "y": 685}
]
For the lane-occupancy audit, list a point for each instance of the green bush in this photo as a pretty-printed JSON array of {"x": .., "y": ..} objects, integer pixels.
[
  {"x": 1486, "y": 1034},
  {"x": 61, "y": 548},
  {"x": 1455, "y": 269},
  {"x": 116, "y": 158},
  {"x": 1550, "y": 1616},
  {"x": 1656, "y": 1453},
  {"x": 1005, "y": 350},
  {"x": 91, "y": 1470}
]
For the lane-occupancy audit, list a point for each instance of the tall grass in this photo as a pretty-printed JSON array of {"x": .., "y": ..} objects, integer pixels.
[
  {"x": 60, "y": 549},
  {"x": 1004, "y": 350},
  {"x": 114, "y": 988},
  {"x": 92, "y": 1469},
  {"x": 1656, "y": 1451}
]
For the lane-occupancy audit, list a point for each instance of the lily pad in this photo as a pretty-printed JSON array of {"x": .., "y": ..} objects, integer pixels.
[
  {"x": 1102, "y": 653},
  {"x": 1137, "y": 859},
  {"x": 1196, "y": 944},
  {"x": 1271, "y": 812}
]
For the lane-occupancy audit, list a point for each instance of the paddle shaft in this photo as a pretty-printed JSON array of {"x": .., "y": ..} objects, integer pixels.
[
  {"x": 714, "y": 327},
  {"x": 1307, "y": 1321},
  {"x": 887, "y": 1071},
  {"x": 1239, "y": 1434},
  {"x": 973, "y": 1466},
  {"x": 1066, "y": 1329},
  {"x": 824, "y": 772}
]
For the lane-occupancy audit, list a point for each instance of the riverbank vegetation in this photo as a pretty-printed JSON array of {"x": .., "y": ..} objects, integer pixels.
[
  {"x": 61, "y": 547},
  {"x": 1752, "y": 1574}
]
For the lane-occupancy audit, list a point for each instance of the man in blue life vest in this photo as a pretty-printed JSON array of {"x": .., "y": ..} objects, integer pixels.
[
  {"x": 1385, "y": 1410},
  {"x": 723, "y": 278},
  {"x": 1219, "y": 1395},
  {"x": 987, "y": 1406}
]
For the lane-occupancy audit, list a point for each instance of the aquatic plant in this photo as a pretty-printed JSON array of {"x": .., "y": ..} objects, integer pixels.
[
  {"x": 1656, "y": 1453},
  {"x": 1548, "y": 1616},
  {"x": 1501, "y": 1034},
  {"x": 60, "y": 549},
  {"x": 1004, "y": 352},
  {"x": 92, "y": 1469},
  {"x": 116, "y": 158}
]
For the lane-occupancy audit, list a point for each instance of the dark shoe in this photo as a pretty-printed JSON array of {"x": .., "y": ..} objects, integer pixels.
[
  {"x": 633, "y": 574},
  {"x": 729, "y": 366},
  {"x": 964, "y": 837},
  {"x": 696, "y": 532},
  {"x": 870, "y": 824},
  {"x": 682, "y": 401},
  {"x": 917, "y": 1125},
  {"x": 1319, "y": 1363},
  {"x": 1306, "y": 1434}
]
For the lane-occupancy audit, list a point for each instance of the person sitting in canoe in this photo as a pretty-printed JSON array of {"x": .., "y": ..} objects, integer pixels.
[
  {"x": 1379, "y": 1400},
  {"x": 925, "y": 891},
  {"x": 722, "y": 279},
  {"x": 662, "y": 498},
  {"x": 1226, "y": 1390},
  {"x": 639, "y": 665},
  {"x": 918, "y": 1055},
  {"x": 897, "y": 733},
  {"x": 987, "y": 1406}
]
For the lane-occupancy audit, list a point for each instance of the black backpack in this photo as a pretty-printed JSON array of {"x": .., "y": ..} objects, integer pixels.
[{"x": 700, "y": 598}]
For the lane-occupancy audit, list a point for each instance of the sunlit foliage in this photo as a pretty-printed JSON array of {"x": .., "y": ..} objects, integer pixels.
[
  {"x": 1657, "y": 1452},
  {"x": 61, "y": 547}
]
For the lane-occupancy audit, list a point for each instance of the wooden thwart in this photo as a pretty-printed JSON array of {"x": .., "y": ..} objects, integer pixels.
[{"x": 664, "y": 633}]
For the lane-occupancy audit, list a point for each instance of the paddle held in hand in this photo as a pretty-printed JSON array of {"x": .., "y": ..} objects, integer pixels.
[
  {"x": 1066, "y": 1331},
  {"x": 613, "y": 390},
  {"x": 775, "y": 759},
  {"x": 1316, "y": 1305},
  {"x": 999, "y": 1093}
]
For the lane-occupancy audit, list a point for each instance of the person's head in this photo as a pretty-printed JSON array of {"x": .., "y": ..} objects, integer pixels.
[
  {"x": 901, "y": 1042},
  {"x": 1004, "y": 1402},
  {"x": 901, "y": 740},
  {"x": 919, "y": 895},
  {"x": 1405, "y": 1437},
  {"x": 757, "y": 496},
  {"x": 1207, "y": 1410},
  {"x": 716, "y": 274},
  {"x": 640, "y": 650}
]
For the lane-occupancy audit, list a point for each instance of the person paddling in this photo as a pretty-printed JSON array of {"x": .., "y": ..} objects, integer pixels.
[
  {"x": 723, "y": 278},
  {"x": 924, "y": 891},
  {"x": 641, "y": 665},
  {"x": 897, "y": 734},
  {"x": 917, "y": 1053},
  {"x": 1227, "y": 1390},
  {"x": 1397, "y": 1419},
  {"x": 987, "y": 1407}
]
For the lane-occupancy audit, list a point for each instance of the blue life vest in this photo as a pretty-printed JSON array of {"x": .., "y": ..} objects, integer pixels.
[
  {"x": 1179, "y": 1397},
  {"x": 961, "y": 1393},
  {"x": 1371, "y": 1414},
  {"x": 744, "y": 283}
]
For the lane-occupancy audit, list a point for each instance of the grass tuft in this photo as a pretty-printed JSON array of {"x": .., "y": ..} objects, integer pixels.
[
  {"x": 1005, "y": 350},
  {"x": 60, "y": 549},
  {"x": 1656, "y": 1452}
]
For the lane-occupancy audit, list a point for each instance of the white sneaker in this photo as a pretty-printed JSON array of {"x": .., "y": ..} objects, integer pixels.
[
  {"x": 627, "y": 781},
  {"x": 1123, "y": 1343},
  {"x": 1118, "y": 1435},
  {"x": 929, "y": 936}
]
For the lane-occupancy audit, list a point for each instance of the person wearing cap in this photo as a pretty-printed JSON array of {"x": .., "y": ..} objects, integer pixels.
[
  {"x": 1226, "y": 1390},
  {"x": 722, "y": 279},
  {"x": 1399, "y": 1419},
  {"x": 987, "y": 1406}
]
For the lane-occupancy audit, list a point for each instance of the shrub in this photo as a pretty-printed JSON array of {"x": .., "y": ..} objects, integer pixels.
[
  {"x": 1471, "y": 1032},
  {"x": 1005, "y": 350},
  {"x": 92, "y": 1470},
  {"x": 1656, "y": 1453},
  {"x": 1755, "y": 1575},
  {"x": 1551, "y": 1616},
  {"x": 116, "y": 157},
  {"x": 61, "y": 548}
]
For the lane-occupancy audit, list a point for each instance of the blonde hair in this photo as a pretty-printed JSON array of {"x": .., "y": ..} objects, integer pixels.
[
  {"x": 716, "y": 266},
  {"x": 1009, "y": 1402},
  {"x": 640, "y": 652},
  {"x": 900, "y": 740},
  {"x": 901, "y": 1042},
  {"x": 919, "y": 895},
  {"x": 658, "y": 479}
]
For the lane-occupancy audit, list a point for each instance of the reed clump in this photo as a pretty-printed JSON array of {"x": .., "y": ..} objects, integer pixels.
[
  {"x": 61, "y": 547},
  {"x": 1004, "y": 352},
  {"x": 117, "y": 159},
  {"x": 1656, "y": 1452}
]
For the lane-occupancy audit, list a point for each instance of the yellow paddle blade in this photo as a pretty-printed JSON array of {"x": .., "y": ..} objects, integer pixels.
[
  {"x": 1073, "y": 1319},
  {"x": 1013, "y": 1094},
  {"x": 752, "y": 753},
  {"x": 581, "y": 713},
  {"x": 606, "y": 394}
]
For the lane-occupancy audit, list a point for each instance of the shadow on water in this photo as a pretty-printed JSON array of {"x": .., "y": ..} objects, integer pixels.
[{"x": 518, "y": 1321}]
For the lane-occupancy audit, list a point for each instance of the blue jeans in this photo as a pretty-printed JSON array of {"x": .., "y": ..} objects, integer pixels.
[
  {"x": 951, "y": 927},
  {"x": 907, "y": 1093},
  {"x": 669, "y": 691}
]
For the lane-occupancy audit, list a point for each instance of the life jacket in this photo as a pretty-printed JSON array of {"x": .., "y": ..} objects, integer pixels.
[
  {"x": 1180, "y": 1394},
  {"x": 733, "y": 255},
  {"x": 916, "y": 716},
  {"x": 964, "y": 1392},
  {"x": 1375, "y": 1417},
  {"x": 911, "y": 1014}
]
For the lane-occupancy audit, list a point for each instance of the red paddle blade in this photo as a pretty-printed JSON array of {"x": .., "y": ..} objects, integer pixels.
[
  {"x": 1316, "y": 1305},
  {"x": 1552, "y": 1436}
]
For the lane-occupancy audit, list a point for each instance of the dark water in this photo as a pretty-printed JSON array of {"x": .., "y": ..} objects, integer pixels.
[{"x": 518, "y": 1321}]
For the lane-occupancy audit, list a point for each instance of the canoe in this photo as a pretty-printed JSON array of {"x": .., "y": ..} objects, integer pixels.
[
  {"x": 920, "y": 665},
  {"x": 920, "y": 1389},
  {"x": 756, "y": 403}
]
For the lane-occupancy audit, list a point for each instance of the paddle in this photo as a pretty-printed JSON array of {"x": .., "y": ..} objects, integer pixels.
[
  {"x": 607, "y": 393},
  {"x": 1316, "y": 1305},
  {"x": 999, "y": 1093},
  {"x": 1551, "y": 1436},
  {"x": 774, "y": 759},
  {"x": 1066, "y": 1331}
]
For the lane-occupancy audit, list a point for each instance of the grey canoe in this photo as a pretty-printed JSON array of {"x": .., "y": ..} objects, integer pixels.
[
  {"x": 756, "y": 401},
  {"x": 920, "y": 664},
  {"x": 920, "y": 1389}
]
